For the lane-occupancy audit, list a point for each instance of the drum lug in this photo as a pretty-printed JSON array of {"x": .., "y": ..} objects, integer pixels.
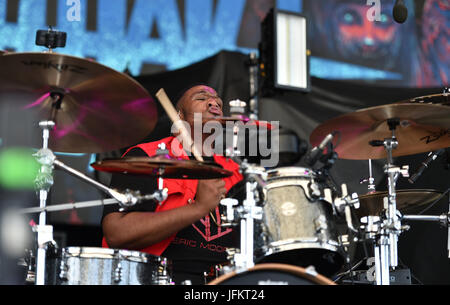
[
  {"x": 63, "y": 271},
  {"x": 321, "y": 227},
  {"x": 314, "y": 191},
  {"x": 118, "y": 273}
]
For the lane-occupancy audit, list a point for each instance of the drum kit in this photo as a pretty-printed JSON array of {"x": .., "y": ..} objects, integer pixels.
[{"x": 290, "y": 215}]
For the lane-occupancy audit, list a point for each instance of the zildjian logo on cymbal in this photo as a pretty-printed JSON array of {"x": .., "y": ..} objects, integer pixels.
[
  {"x": 57, "y": 67},
  {"x": 436, "y": 136}
]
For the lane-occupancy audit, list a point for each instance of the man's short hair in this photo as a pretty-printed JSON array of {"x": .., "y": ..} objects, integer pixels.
[{"x": 178, "y": 104}]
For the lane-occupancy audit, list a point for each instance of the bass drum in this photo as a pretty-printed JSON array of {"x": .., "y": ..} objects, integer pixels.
[
  {"x": 103, "y": 266},
  {"x": 273, "y": 274}
]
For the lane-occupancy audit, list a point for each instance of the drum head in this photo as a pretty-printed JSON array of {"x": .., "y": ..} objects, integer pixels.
[{"x": 272, "y": 274}]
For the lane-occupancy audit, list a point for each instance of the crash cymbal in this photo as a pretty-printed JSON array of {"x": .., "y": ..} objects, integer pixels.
[
  {"x": 101, "y": 109},
  {"x": 423, "y": 128},
  {"x": 441, "y": 99},
  {"x": 242, "y": 119},
  {"x": 372, "y": 204},
  {"x": 173, "y": 168}
]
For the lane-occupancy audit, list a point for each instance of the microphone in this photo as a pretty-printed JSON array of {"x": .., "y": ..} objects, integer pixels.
[
  {"x": 431, "y": 157},
  {"x": 400, "y": 12},
  {"x": 316, "y": 152}
]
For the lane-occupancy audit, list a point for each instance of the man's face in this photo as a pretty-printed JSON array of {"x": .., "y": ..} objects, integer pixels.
[{"x": 200, "y": 99}]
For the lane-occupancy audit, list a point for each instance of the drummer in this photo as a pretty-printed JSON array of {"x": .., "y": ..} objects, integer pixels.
[{"x": 185, "y": 228}]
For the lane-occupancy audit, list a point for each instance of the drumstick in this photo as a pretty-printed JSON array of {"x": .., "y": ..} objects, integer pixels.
[{"x": 173, "y": 115}]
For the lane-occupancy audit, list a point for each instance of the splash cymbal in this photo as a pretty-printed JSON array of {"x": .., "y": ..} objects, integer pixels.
[
  {"x": 172, "y": 168},
  {"x": 95, "y": 108},
  {"x": 423, "y": 128}
]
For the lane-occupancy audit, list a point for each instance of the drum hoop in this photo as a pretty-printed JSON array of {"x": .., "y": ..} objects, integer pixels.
[
  {"x": 300, "y": 243},
  {"x": 317, "y": 278},
  {"x": 108, "y": 253},
  {"x": 290, "y": 171}
]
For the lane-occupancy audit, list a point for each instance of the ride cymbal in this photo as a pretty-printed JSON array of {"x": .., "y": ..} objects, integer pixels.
[
  {"x": 422, "y": 128},
  {"x": 95, "y": 108},
  {"x": 439, "y": 99}
]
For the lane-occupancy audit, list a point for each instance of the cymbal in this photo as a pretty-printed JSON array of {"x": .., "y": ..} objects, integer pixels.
[
  {"x": 423, "y": 128},
  {"x": 372, "y": 204},
  {"x": 101, "y": 109},
  {"x": 173, "y": 168},
  {"x": 241, "y": 118},
  {"x": 441, "y": 99}
]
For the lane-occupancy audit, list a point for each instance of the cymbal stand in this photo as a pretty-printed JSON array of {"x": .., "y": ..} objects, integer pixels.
[
  {"x": 246, "y": 214},
  {"x": 370, "y": 180},
  {"x": 162, "y": 150},
  {"x": 43, "y": 182},
  {"x": 248, "y": 211},
  {"x": 389, "y": 226},
  {"x": 254, "y": 73},
  {"x": 237, "y": 110}
]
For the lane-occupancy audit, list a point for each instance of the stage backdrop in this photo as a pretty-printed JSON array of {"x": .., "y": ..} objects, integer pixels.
[{"x": 349, "y": 39}]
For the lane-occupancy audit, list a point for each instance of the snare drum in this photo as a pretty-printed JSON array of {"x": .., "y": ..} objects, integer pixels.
[
  {"x": 297, "y": 229},
  {"x": 273, "y": 274},
  {"x": 103, "y": 266}
]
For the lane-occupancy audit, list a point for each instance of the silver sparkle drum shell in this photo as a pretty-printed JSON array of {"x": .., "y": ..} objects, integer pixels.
[
  {"x": 103, "y": 266},
  {"x": 297, "y": 229}
]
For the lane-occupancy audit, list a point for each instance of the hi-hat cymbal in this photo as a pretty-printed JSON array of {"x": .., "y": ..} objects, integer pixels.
[
  {"x": 372, "y": 204},
  {"x": 101, "y": 109},
  {"x": 423, "y": 128},
  {"x": 172, "y": 168}
]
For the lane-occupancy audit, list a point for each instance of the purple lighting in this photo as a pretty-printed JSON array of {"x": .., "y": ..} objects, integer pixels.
[{"x": 38, "y": 101}]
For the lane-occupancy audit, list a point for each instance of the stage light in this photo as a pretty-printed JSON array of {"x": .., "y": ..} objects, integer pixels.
[{"x": 284, "y": 54}]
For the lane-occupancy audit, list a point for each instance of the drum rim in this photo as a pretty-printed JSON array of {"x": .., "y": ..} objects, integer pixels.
[
  {"x": 296, "y": 270},
  {"x": 110, "y": 253},
  {"x": 299, "y": 244},
  {"x": 289, "y": 171}
]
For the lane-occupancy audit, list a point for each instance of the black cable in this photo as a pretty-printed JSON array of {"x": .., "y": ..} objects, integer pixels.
[
  {"x": 434, "y": 202},
  {"x": 340, "y": 276}
]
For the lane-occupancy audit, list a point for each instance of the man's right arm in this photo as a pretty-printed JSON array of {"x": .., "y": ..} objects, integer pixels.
[{"x": 141, "y": 227}]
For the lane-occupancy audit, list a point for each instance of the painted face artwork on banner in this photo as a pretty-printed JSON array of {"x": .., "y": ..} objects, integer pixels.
[
  {"x": 354, "y": 32},
  {"x": 434, "y": 33}
]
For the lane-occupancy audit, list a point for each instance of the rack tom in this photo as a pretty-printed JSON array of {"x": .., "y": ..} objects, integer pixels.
[{"x": 298, "y": 226}]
